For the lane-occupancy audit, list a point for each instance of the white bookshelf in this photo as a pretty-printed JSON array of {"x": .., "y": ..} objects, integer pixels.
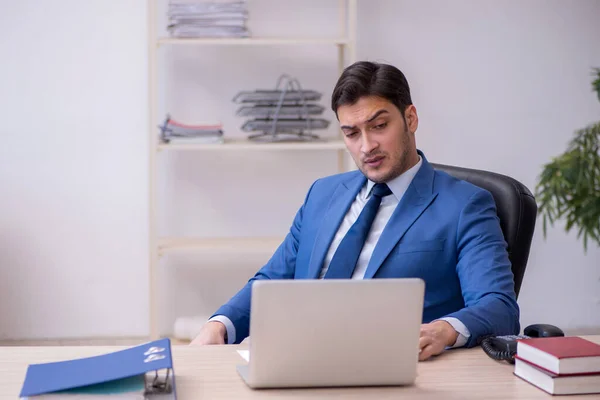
[{"x": 345, "y": 48}]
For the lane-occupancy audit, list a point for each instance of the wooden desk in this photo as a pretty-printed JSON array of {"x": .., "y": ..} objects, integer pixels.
[{"x": 209, "y": 373}]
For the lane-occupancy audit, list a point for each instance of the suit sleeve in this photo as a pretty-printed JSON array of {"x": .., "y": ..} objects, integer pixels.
[
  {"x": 485, "y": 274},
  {"x": 281, "y": 265}
]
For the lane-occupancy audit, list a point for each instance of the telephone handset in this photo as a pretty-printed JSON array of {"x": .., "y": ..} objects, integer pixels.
[{"x": 505, "y": 347}]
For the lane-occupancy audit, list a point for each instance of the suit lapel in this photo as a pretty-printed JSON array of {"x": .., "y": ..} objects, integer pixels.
[
  {"x": 415, "y": 201},
  {"x": 340, "y": 202}
]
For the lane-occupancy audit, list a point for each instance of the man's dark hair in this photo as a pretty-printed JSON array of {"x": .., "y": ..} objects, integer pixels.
[{"x": 364, "y": 78}]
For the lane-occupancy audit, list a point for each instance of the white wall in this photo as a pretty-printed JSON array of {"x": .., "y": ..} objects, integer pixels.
[
  {"x": 498, "y": 85},
  {"x": 501, "y": 85},
  {"x": 73, "y": 221}
]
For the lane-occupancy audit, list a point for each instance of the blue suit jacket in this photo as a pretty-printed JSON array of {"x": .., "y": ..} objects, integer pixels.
[{"x": 444, "y": 231}]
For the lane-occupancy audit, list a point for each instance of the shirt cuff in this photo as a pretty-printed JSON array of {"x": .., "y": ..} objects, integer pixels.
[
  {"x": 463, "y": 331},
  {"x": 228, "y": 325}
]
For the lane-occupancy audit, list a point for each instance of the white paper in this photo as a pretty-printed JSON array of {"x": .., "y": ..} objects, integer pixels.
[{"x": 245, "y": 354}]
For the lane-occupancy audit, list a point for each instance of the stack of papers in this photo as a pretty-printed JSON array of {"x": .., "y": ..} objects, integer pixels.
[
  {"x": 245, "y": 354},
  {"x": 214, "y": 19},
  {"x": 174, "y": 132}
]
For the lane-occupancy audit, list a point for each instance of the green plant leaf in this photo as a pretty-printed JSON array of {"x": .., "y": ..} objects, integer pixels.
[
  {"x": 596, "y": 82},
  {"x": 568, "y": 186}
]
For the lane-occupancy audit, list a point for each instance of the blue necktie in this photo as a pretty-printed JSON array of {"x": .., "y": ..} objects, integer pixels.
[{"x": 344, "y": 260}]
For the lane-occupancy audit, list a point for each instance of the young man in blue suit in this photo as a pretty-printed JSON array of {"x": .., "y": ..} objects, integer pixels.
[{"x": 395, "y": 217}]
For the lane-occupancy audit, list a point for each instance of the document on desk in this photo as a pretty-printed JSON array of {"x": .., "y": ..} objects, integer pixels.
[
  {"x": 245, "y": 354},
  {"x": 141, "y": 372}
]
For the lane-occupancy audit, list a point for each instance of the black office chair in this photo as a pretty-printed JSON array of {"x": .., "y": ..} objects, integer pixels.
[{"x": 516, "y": 208}]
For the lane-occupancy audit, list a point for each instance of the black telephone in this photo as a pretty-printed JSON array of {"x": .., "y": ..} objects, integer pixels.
[{"x": 505, "y": 347}]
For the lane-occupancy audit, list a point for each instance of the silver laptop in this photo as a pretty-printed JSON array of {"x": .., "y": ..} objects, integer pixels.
[{"x": 332, "y": 333}]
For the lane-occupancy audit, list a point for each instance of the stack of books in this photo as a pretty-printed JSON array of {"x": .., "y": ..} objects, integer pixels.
[
  {"x": 559, "y": 365},
  {"x": 212, "y": 19},
  {"x": 175, "y": 132}
]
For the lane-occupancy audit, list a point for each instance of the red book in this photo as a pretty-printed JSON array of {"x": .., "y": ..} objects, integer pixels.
[
  {"x": 557, "y": 384},
  {"x": 561, "y": 355}
]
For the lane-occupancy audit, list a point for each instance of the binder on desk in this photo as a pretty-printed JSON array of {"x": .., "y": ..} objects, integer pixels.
[{"x": 140, "y": 372}]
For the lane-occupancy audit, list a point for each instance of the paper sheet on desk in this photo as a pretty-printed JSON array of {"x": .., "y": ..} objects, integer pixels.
[{"x": 245, "y": 354}]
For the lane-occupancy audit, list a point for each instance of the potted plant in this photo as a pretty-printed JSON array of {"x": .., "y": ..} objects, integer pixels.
[{"x": 569, "y": 186}]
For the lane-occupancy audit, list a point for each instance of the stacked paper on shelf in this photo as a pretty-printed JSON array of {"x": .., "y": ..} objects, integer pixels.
[
  {"x": 286, "y": 113},
  {"x": 214, "y": 19},
  {"x": 176, "y": 132}
]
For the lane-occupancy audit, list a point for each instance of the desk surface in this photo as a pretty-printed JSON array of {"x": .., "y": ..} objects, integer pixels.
[{"x": 209, "y": 373}]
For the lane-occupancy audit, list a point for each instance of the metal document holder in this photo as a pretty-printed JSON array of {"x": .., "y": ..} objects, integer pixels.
[{"x": 275, "y": 111}]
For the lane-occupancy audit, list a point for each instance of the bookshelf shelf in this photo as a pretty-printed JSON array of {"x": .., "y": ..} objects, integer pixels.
[
  {"x": 252, "y": 41},
  {"x": 246, "y": 145},
  {"x": 230, "y": 245}
]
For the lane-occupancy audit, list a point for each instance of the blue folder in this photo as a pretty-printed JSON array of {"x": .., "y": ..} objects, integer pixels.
[{"x": 147, "y": 368}]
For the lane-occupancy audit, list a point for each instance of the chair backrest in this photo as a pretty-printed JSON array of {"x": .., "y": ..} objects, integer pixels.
[{"x": 516, "y": 209}]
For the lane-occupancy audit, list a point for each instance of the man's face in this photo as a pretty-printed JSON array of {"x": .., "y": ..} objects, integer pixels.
[{"x": 381, "y": 143}]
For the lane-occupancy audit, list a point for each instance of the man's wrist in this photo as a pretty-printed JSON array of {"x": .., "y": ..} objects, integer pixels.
[
  {"x": 221, "y": 328},
  {"x": 229, "y": 334},
  {"x": 450, "y": 333}
]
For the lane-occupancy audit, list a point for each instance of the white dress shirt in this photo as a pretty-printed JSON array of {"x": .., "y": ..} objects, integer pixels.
[{"x": 398, "y": 186}]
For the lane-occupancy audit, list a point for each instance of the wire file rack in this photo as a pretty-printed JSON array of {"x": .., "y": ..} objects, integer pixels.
[{"x": 287, "y": 113}]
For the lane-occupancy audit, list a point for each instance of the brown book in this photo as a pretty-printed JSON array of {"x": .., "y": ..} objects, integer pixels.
[
  {"x": 561, "y": 355},
  {"x": 552, "y": 383}
]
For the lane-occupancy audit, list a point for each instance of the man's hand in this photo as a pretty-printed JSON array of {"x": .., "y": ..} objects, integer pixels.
[
  {"x": 435, "y": 337},
  {"x": 211, "y": 333}
]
